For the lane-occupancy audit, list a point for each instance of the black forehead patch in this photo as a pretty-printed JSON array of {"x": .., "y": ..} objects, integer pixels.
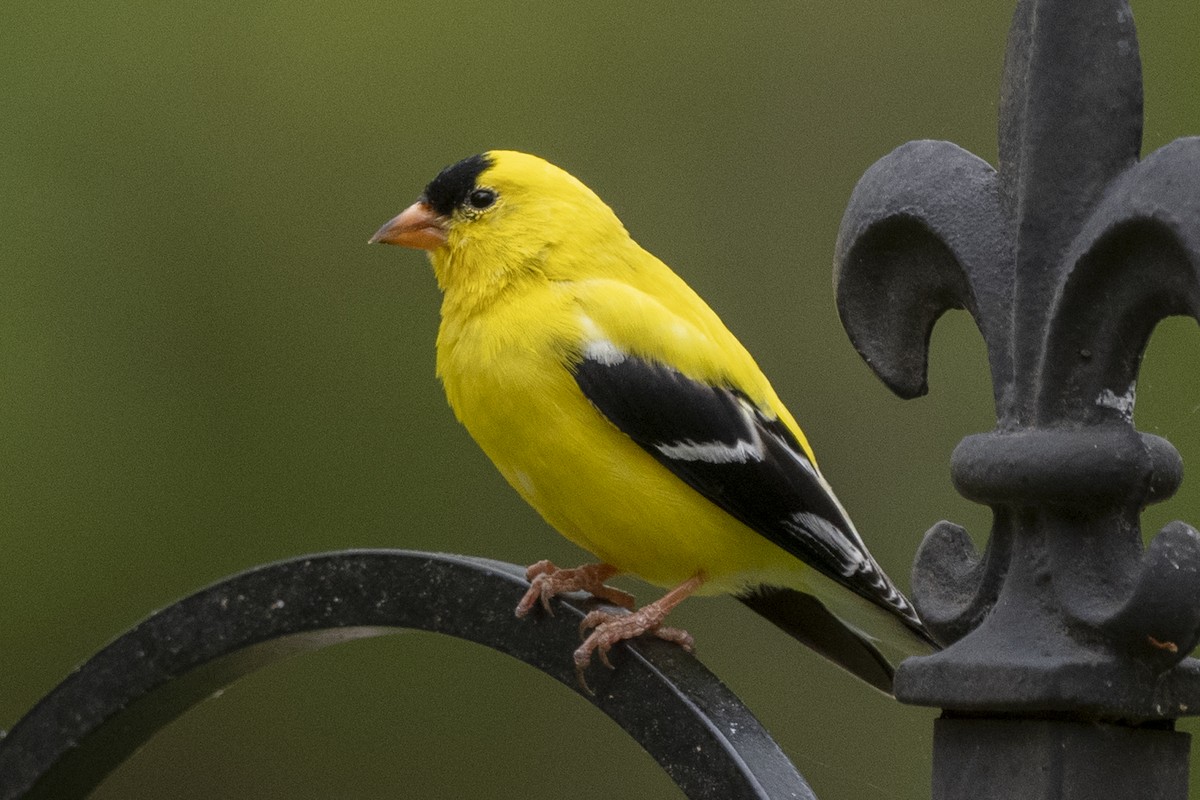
[{"x": 452, "y": 185}]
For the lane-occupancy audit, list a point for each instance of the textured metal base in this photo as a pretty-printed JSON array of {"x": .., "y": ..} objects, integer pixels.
[{"x": 997, "y": 759}]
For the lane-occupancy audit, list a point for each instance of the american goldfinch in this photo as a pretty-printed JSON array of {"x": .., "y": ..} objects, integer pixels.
[{"x": 617, "y": 404}]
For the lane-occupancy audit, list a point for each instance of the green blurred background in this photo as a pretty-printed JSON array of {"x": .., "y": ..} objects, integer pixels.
[{"x": 203, "y": 367}]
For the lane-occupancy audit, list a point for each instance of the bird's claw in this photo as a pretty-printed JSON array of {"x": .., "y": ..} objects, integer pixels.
[
  {"x": 608, "y": 629},
  {"x": 546, "y": 581},
  {"x": 677, "y": 636},
  {"x": 541, "y": 587}
]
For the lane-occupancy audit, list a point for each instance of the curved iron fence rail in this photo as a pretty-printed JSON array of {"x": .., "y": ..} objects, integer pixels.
[{"x": 700, "y": 733}]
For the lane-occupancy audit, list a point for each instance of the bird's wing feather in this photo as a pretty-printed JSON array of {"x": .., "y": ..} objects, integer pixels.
[{"x": 738, "y": 456}]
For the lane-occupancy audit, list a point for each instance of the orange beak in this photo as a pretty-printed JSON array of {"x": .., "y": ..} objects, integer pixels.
[{"x": 417, "y": 226}]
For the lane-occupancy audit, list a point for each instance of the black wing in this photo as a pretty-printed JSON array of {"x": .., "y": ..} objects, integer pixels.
[{"x": 723, "y": 446}]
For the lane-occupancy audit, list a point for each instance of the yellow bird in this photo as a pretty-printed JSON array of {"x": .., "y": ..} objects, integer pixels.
[{"x": 617, "y": 404}]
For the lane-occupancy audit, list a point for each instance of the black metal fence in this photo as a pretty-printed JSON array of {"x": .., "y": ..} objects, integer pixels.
[{"x": 1068, "y": 663}]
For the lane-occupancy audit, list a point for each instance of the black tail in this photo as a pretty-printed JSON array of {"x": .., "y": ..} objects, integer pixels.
[{"x": 806, "y": 618}]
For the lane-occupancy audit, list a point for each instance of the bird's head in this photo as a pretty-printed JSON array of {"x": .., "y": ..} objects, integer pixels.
[{"x": 495, "y": 218}]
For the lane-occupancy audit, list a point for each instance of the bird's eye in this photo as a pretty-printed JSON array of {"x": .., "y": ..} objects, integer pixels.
[{"x": 482, "y": 198}]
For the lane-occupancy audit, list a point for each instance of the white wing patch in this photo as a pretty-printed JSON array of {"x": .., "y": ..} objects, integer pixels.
[
  {"x": 604, "y": 352},
  {"x": 597, "y": 346},
  {"x": 713, "y": 452},
  {"x": 742, "y": 451},
  {"x": 848, "y": 557},
  {"x": 853, "y": 559}
]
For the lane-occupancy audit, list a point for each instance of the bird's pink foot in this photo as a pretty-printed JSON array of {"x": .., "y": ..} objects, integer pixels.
[
  {"x": 609, "y": 628},
  {"x": 547, "y": 580}
]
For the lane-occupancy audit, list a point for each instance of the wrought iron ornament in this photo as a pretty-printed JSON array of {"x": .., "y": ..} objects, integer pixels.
[{"x": 1067, "y": 257}]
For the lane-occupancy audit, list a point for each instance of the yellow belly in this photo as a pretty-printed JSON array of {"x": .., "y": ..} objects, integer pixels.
[{"x": 588, "y": 479}]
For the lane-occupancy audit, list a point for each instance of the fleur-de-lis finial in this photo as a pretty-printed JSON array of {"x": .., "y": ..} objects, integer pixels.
[{"x": 1067, "y": 257}]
